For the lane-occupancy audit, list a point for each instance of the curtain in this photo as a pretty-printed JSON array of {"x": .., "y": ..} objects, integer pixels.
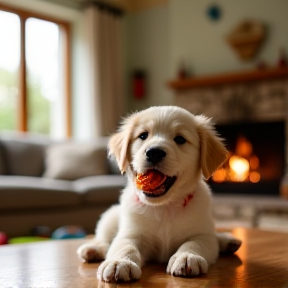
[{"x": 104, "y": 51}]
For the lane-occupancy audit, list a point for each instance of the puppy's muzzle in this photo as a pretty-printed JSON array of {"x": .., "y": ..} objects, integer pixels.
[{"x": 154, "y": 155}]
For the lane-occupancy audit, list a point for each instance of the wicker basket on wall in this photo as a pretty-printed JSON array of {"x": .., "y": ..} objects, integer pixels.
[{"x": 246, "y": 38}]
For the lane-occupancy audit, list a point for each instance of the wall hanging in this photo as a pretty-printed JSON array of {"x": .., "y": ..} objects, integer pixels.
[{"x": 246, "y": 38}]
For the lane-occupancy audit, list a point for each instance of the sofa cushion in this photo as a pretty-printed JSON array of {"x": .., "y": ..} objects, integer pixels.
[
  {"x": 23, "y": 157},
  {"x": 102, "y": 189},
  {"x": 73, "y": 160},
  {"x": 35, "y": 192}
]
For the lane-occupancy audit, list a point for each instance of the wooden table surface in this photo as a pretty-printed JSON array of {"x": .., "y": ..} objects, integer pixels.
[{"x": 262, "y": 261}]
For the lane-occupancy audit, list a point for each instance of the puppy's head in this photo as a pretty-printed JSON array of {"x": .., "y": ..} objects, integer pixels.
[{"x": 164, "y": 150}]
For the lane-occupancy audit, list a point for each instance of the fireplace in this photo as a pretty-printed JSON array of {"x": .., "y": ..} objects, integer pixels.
[
  {"x": 250, "y": 110},
  {"x": 256, "y": 162}
]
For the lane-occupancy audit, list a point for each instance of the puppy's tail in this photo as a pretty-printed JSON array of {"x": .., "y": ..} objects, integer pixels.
[{"x": 228, "y": 244}]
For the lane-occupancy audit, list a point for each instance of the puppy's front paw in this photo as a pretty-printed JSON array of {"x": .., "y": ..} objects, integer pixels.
[
  {"x": 118, "y": 270},
  {"x": 187, "y": 264},
  {"x": 90, "y": 252}
]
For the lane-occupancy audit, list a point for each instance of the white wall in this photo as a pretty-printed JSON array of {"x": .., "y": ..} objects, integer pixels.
[
  {"x": 161, "y": 37},
  {"x": 201, "y": 42},
  {"x": 147, "y": 48}
]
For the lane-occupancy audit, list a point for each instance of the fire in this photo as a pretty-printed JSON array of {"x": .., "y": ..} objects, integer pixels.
[
  {"x": 254, "y": 177},
  {"x": 241, "y": 166}
]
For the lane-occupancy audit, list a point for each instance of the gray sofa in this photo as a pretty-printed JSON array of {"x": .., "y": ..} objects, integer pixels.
[{"x": 43, "y": 182}]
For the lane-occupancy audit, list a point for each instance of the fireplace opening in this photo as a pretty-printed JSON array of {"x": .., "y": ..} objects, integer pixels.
[{"x": 256, "y": 162}]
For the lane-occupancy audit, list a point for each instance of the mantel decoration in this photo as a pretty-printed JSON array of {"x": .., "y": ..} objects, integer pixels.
[
  {"x": 214, "y": 12},
  {"x": 246, "y": 38}
]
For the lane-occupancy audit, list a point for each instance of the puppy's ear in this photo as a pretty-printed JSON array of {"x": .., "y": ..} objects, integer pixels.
[
  {"x": 118, "y": 147},
  {"x": 212, "y": 151}
]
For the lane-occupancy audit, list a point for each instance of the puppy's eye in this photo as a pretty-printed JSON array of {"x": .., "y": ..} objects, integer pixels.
[
  {"x": 180, "y": 140},
  {"x": 143, "y": 136}
]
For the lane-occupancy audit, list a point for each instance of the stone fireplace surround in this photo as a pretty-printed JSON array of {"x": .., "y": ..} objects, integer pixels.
[{"x": 245, "y": 96}]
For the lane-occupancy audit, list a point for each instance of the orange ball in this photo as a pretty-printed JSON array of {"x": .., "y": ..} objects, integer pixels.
[{"x": 150, "y": 180}]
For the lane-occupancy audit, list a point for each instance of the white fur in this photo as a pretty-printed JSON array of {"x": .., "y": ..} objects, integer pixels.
[{"x": 168, "y": 228}]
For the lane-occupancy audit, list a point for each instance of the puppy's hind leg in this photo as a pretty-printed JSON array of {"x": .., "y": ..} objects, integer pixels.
[
  {"x": 106, "y": 230},
  {"x": 228, "y": 244}
]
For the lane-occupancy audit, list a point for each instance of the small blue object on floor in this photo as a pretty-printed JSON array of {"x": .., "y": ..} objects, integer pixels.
[{"x": 69, "y": 232}]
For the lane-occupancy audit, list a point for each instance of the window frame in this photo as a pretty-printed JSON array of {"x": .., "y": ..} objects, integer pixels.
[{"x": 65, "y": 30}]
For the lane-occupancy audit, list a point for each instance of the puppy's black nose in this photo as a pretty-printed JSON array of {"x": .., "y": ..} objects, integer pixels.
[{"x": 155, "y": 155}]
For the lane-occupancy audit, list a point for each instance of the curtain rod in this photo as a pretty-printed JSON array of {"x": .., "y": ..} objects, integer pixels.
[{"x": 103, "y": 6}]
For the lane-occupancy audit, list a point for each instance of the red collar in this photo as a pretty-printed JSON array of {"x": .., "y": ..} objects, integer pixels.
[
  {"x": 185, "y": 202},
  {"x": 187, "y": 199}
]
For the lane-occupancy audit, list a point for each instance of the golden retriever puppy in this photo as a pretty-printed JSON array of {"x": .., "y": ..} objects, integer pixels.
[{"x": 164, "y": 213}]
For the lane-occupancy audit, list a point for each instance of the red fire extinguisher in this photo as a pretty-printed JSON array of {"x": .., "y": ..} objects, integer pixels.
[{"x": 139, "y": 79}]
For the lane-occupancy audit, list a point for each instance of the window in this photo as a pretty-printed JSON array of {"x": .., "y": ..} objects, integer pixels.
[
  {"x": 9, "y": 66},
  {"x": 34, "y": 73}
]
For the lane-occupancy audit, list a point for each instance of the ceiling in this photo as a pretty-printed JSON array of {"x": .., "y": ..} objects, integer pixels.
[
  {"x": 126, "y": 5},
  {"x": 76, "y": 4}
]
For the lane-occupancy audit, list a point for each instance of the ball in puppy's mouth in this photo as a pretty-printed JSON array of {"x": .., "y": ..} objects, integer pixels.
[{"x": 154, "y": 183}]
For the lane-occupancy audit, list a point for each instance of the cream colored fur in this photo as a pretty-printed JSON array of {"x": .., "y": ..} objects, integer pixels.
[{"x": 168, "y": 228}]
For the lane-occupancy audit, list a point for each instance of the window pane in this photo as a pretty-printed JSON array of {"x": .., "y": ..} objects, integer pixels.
[
  {"x": 9, "y": 65},
  {"x": 43, "y": 77}
]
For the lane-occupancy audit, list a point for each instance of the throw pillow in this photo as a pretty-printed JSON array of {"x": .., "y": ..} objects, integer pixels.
[
  {"x": 73, "y": 160},
  {"x": 23, "y": 157}
]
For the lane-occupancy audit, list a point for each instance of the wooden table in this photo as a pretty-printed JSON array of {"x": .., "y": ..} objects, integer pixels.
[{"x": 262, "y": 261}]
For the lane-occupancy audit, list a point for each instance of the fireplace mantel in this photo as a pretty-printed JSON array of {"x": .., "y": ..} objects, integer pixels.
[{"x": 229, "y": 78}]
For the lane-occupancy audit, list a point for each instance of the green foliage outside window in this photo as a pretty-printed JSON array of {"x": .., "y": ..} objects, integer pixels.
[
  {"x": 38, "y": 105},
  {"x": 8, "y": 100},
  {"x": 38, "y": 108}
]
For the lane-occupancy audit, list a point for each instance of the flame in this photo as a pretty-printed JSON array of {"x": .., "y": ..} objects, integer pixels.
[
  {"x": 244, "y": 147},
  {"x": 219, "y": 175},
  {"x": 241, "y": 166},
  {"x": 254, "y": 162},
  {"x": 254, "y": 177}
]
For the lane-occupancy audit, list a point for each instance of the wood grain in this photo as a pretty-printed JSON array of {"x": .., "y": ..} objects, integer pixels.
[
  {"x": 229, "y": 78},
  {"x": 262, "y": 261}
]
